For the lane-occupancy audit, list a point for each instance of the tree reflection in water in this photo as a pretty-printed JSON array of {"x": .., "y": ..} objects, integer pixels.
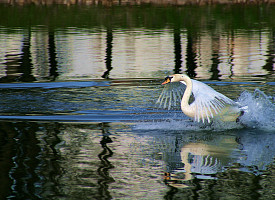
[
  {"x": 28, "y": 171},
  {"x": 105, "y": 165},
  {"x": 108, "y": 57},
  {"x": 33, "y": 165}
]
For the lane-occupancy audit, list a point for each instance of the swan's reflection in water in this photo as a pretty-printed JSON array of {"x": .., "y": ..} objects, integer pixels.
[
  {"x": 201, "y": 160},
  {"x": 215, "y": 162}
]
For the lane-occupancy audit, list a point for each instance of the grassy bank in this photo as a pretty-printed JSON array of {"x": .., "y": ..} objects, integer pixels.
[{"x": 134, "y": 2}]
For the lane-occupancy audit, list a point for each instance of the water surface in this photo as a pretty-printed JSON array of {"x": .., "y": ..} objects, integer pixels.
[{"x": 78, "y": 94}]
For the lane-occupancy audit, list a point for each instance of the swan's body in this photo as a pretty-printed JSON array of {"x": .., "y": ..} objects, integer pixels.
[{"x": 208, "y": 103}]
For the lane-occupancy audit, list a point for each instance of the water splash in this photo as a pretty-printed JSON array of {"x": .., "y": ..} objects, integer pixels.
[{"x": 259, "y": 110}]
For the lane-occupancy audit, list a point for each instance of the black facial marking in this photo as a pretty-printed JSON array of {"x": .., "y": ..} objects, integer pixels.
[{"x": 168, "y": 77}]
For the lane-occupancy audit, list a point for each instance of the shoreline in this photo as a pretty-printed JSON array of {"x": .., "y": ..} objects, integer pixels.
[{"x": 136, "y": 2}]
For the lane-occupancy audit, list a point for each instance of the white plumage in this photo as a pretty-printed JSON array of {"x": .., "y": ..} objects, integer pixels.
[{"x": 208, "y": 103}]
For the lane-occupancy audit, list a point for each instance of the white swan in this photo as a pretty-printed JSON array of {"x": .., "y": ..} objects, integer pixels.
[{"x": 208, "y": 103}]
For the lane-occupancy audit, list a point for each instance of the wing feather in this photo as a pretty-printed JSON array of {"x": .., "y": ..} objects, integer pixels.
[
  {"x": 171, "y": 95},
  {"x": 208, "y": 102},
  {"x": 215, "y": 108}
]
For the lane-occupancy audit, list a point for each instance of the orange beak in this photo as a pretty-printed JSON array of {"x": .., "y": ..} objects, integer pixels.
[{"x": 167, "y": 80}]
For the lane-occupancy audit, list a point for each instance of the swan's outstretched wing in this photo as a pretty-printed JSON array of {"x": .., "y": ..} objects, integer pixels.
[
  {"x": 208, "y": 102},
  {"x": 171, "y": 95}
]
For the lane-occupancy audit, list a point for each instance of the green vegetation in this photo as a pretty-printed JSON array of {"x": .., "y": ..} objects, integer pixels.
[{"x": 151, "y": 17}]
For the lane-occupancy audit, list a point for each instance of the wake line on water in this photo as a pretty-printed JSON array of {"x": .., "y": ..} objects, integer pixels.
[
  {"x": 52, "y": 85},
  {"x": 259, "y": 113}
]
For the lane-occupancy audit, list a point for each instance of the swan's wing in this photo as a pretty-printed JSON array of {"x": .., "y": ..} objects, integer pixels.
[
  {"x": 208, "y": 102},
  {"x": 171, "y": 95}
]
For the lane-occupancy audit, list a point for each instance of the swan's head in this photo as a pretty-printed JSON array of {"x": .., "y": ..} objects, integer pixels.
[{"x": 173, "y": 78}]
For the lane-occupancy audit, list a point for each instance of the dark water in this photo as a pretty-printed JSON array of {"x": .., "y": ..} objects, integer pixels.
[{"x": 78, "y": 111}]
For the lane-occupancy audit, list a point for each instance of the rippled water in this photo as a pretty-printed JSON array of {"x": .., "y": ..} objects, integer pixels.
[
  {"x": 78, "y": 110},
  {"x": 108, "y": 139}
]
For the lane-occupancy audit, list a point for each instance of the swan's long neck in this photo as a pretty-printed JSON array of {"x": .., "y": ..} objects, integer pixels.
[{"x": 187, "y": 93}]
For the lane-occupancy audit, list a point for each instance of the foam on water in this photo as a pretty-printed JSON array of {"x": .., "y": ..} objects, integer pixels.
[
  {"x": 189, "y": 125},
  {"x": 170, "y": 124}
]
